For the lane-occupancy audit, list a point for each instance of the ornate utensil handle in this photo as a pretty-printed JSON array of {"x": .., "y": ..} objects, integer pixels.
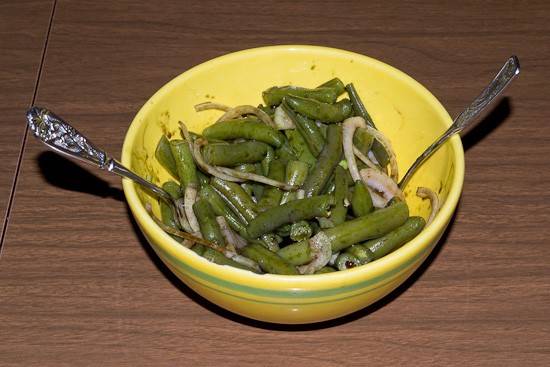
[{"x": 61, "y": 137}]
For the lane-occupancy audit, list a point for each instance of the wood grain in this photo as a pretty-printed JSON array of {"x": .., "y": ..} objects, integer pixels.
[
  {"x": 23, "y": 28},
  {"x": 79, "y": 285}
]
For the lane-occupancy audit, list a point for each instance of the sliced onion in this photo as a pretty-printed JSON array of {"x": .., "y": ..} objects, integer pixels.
[
  {"x": 322, "y": 252},
  {"x": 282, "y": 120},
  {"x": 348, "y": 129},
  {"x": 426, "y": 193},
  {"x": 394, "y": 174},
  {"x": 230, "y": 236},
  {"x": 247, "y": 110},
  {"x": 178, "y": 233},
  {"x": 364, "y": 158},
  {"x": 300, "y": 194},
  {"x": 333, "y": 258},
  {"x": 190, "y": 197},
  {"x": 243, "y": 260},
  {"x": 378, "y": 201},
  {"x": 180, "y": 214},
  {"x": 370, "y": 155},
  {"x": 211, "y": 106},
  {"x": 257, "y": 178},
  {"x": 380, "y": 182}
]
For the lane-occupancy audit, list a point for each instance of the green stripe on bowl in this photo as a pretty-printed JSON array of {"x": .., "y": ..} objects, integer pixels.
[
  {"x": 291, "y": 301},
  {"x": 301, "y": 293}
]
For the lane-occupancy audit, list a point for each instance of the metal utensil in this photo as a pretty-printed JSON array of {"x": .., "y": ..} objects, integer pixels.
[
  {"x": 61, "y": 137},
  {"x": 508, "y": 71}
]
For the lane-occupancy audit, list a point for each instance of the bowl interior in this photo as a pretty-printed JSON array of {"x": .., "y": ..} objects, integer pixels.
[{"x": 401, "y": 108}]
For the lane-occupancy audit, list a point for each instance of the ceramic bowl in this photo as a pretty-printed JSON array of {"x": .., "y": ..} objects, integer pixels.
[{"x": 406, "y": 112}]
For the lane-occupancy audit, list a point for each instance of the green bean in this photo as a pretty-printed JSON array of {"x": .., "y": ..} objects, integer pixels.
[
  {"x": 346, "y": 261},
  {"x": 210, "y": 228},
  {"x": 285, "y": 153},
  {"x": 373, "y": 225},
  {"x": 358, "y": 106},
  {"x": 339, "y": 210},
  {"x": 270, "y": 241},
  {"x": 335, "y": 84},
  {"x": 325, "y": 223},
  {"x": 299, "y": 145},
  {"x": 325, "y": 270},
  {"x": 313, "y": 109},
  {"x": 163, "y": 154},
  {"x": 248, "y": 187},
  {"x": 300, "y": 231},
  {"x": 266, "y": 162},
  {"x": 272, "y": 196},
  {"x": 274, "y": 95},
  {"x": 220, "y": 208},
  {"x": 298, "y": 253},
  {"x": 269, "y": 261},
  {"x": 327, "y": 161},
  {"x": 203, "y": 179},
  {"x": 258, "y": 188},
  {"x": 330, "y": 186},
  {"x": 361, "y": 201},
  {"x": 360, "y": 166},
  {"x": 296, "y": 174},
  {"x": 167, "y": 215},
  {"x": 396, "y": 238},
  {"x": 248, "y": 128},
  {"x": 322, "y": 128},
  {"x": 290, "y": 212},
  {"x": 173, "y": 189},
  {"x": 315, "y": 228},
  {"x": 198, "y": 249},
  {"x": 284, "y": 230},
  {"x": 363, "y": 140},
  {"x": 246, "y": 168},
  {"x": 380, "y": 153},
  {"x": 360, "y": 110},
  {"x": 393, "y": 200},
  {"x": 187, "y": 171},
  {"x": 312, "y": 134},
  {"x": 220, "y": 259},
  {"x": 166, "y": 211},
  {"x": 269, "y": 110},
  {"x": 308, "y": 129},
  {"x": 235, "y": 154},
  {"x": 235, "y": 195},
  {"x": 361, "y": 253}
]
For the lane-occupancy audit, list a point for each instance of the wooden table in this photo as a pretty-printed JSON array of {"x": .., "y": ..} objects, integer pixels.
[{"x": 79, "y": 284}]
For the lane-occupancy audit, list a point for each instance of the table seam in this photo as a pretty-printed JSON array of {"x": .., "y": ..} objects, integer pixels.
[{"x": 24, "y": 140}]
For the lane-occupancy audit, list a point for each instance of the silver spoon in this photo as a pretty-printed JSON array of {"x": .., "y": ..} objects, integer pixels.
[
  {"x": 61, "y": 137},
  {"x": 508, "y": 71}
]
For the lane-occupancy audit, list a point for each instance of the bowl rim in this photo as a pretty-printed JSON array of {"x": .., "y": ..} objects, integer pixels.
[{"x": 310, "y": 284}]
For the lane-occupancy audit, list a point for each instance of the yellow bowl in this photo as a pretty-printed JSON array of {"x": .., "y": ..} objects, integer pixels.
[{"x": 403, "y": 110}]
